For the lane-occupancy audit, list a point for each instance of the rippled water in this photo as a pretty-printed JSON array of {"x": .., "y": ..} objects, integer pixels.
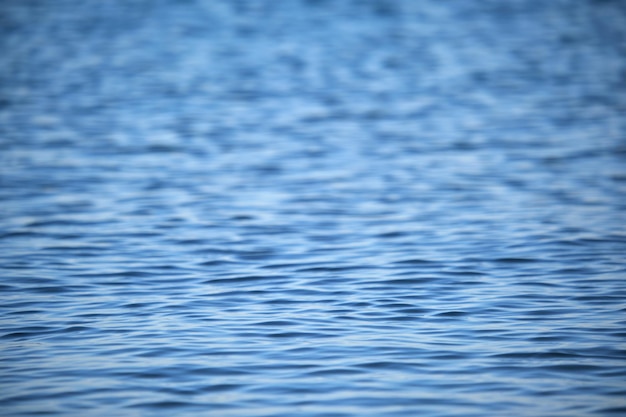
[{"x": 313, "y": 208}]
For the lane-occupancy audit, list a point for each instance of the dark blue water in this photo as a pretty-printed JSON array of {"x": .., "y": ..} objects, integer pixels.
[{"x": 313, "y": 208}]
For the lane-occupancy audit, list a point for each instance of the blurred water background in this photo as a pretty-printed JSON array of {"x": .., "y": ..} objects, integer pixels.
[{"x": 313, "y": 208}]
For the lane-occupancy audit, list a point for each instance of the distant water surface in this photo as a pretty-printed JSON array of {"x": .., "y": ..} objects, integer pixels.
[{"x": 313, "y": 208}]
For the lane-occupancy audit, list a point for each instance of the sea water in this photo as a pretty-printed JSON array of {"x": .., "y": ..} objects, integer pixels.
[{"x": 313, "y": 208}]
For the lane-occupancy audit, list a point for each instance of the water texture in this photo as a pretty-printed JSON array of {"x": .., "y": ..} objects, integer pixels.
[{"x": 313, "y": 208}]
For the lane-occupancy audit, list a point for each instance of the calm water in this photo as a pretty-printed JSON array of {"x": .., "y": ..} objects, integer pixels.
[{"x": 313, "y": 208}]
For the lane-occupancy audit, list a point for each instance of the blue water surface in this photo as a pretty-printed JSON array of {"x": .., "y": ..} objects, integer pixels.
[{"x": 313, "y": 208}]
